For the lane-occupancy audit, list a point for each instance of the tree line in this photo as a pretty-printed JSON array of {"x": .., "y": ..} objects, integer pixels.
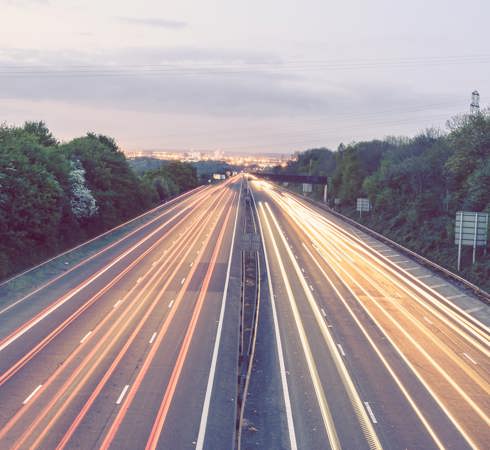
[
  {"x": 415, "y": 186},
  {"x": 55, "y": 195}
]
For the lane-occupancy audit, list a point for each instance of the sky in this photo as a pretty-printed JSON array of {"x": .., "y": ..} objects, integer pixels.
[{"x": 251, "y": 76}]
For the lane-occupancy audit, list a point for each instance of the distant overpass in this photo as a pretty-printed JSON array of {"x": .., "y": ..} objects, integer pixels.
[{"x": 312, "y": 179}]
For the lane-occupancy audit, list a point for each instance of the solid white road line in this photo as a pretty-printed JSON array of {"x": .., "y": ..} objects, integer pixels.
[
  {"x": 85, "y": 337},
  {"x": 214, "y": 359},
  {"x": 282, "y": 365},
  {"x": 122, "y": 394},
  {"x": 83, "y": 261},
  {"x": 310, "y": 360},
  {"x": 418, "y": 346},
  {"x": 32, "y": 394},
  {"x": 370, "y": 412},
  {"x": 379, "y": 353},
  {"x": 153, "y": 336},
  {"x": 368, "y": 430},
  {"x": 89, "y": 281}
]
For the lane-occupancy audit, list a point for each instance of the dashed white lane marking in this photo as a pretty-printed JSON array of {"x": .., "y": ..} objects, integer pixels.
[
  {"x": 139, "y": 279},
  {"x": 473, "y": 310},
  {"x": 424, "y": 276},
  {"x": 401, "y": 261},
  {"x": 370, "y": 412},
  {"x": 408, "y": 269},
  {"x": 85, "y": 337},
  {"x": 438, "y": 285},
  {"x": 154, "y": 263},
  {"x": 32, "y": 394},
  {"x": 456, "y": 296},
  {"x": 182, "y": 281},
  {"x": 117, "y": 303},
  {"x": 153, "y": 336},
  {"x": 428, "y": 320},
  {"x": 341, "y": 350},
  {"x": 323, "y": 312},
  {"x": 470, "y": 358},
  {"x": 302, "y": 270},
  {"x": 170, "y": 304},
  {"x": 122, "y": 394},
  {"x": 190, "y": 265},
  {"x": 311, "y": 287}
]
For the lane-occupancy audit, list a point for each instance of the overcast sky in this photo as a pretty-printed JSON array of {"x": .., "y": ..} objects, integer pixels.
[{"x": 246, "y": 76}]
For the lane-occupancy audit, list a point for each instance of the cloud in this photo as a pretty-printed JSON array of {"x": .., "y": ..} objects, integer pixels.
[
  {"x": 186, "y": 87},
  {"x": 189, "y": 81},
  {"x": 151, "y": 22},
  {"x": 185, "y": 81}
]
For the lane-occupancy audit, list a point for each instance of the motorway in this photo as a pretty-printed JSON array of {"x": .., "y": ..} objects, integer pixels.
[
  {"x": 372, "y": 357},
  {"x": 125, "y": 351},
  {"x": 137, "y": 347}
]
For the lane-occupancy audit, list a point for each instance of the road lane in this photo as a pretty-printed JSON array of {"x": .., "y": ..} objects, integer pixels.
[
  {"x": 126, "y": 251},
  {"x": 422, "y": 353},
  {"x": 367, "y": 354},
  {"x": 47, "y": 423}
]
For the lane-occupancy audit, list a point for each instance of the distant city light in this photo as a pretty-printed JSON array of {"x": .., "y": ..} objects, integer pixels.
[{"x": 261, "y": 161}]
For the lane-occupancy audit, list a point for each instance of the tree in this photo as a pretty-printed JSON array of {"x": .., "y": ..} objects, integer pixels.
[
  {"x": 83, "y": 204},
  {"x": 41, "y": 133}
]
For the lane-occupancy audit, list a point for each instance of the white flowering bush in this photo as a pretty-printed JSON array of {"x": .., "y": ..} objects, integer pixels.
[{"x": 83, "y": 204}]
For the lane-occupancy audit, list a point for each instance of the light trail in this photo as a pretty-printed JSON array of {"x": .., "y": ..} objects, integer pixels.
[
  {"x": 334, "y": 245},
  {"x": 101, "y": 344}
]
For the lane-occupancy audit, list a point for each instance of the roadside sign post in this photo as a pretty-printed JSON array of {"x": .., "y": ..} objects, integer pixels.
[
  {"x": 460, "y": 241},
  {"x": 474, "y": 240},
  {"x": 325, "y": 194},
  {"x": 363, "y": 205},
  {"x": 307, "y": 188},
  {"x": 471, "y": 229}
]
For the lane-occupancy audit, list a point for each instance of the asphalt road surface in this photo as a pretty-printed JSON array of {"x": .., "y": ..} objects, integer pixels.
[
  {"x": 373, "y": 355},
  {"x": 126, "y": 351},
  {"x": 138, "y": 347}
]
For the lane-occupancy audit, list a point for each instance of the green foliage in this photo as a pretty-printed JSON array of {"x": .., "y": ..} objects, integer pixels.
[
  {"x": 171, "y": 179},
  {"x": 416, "y": 185},
  {"x": 31, "y": 198},
  {"x": 56, "y": 195},
  {"x": 41, "y": 133},
  {"x": 118, "y": 192}
]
